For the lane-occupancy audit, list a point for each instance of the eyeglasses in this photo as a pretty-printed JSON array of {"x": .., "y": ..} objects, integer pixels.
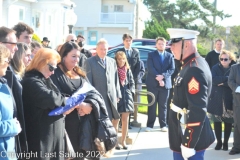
[
  {"x": 224, "y": 59},
  {"x": 13, "y": 43},
  {"x": 74, "y": 40},
  {"x": 51, "y": 68}
]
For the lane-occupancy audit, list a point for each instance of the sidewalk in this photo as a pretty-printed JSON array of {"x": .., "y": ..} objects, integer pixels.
[{"x": 154, "y": 146}]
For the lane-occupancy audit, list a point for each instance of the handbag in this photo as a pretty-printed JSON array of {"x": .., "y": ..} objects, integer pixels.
[{"x": 68, "y": 147}]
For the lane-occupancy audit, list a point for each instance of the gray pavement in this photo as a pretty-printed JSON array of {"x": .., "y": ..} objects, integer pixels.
[{"x": 154, "y": 145}]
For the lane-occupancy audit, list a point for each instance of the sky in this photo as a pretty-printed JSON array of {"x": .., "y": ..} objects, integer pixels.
[{"x": 228, "y": 7}]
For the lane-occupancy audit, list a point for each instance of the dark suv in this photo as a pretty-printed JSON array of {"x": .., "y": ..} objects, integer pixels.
[{"x": 140, "y": 42}]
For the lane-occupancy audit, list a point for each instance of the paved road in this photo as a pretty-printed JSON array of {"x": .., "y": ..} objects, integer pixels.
[{"x": 154, "y": 146}]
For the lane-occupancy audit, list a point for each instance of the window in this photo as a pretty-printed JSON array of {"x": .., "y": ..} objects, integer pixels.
[
  {"x": 118, "y": 8},
  {"x": 20, "y": 14},
  {"x": 104, "y": 11}
]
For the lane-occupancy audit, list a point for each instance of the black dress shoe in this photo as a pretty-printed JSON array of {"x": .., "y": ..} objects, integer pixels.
[
  {"x": 218, "y": 146},
  {"x": 225, "y": 147},
  {"x": 129, "y": 127},
  {"x": 232, "y": 152},
  {"x": 125, "y": 147},
  {"x": 117, "y": 148}
]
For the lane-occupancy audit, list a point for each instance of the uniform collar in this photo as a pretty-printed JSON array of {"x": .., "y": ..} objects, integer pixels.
[{"x": 189, "y": 58}]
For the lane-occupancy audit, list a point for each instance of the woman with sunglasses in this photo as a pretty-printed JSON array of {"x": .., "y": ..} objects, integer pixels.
[
  {"x": 10, "y": 126},
  {"x": 40, "y": 96},
  {"x": 220, "y": 101}
]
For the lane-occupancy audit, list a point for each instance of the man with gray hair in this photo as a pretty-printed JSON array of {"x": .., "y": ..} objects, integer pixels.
[
  {"x": 102, "y": 74},
  {"x": 190, "y": 132}
]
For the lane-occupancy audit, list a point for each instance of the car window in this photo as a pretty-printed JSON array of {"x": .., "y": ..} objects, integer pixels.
[
  {"x": 144, "y": 54},
  {"x": 150, "y": 43},
  {"x": 112, "y": 52},
  {"x": 136, "y": 43}
]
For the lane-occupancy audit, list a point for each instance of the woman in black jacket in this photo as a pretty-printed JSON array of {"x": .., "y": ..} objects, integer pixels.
[
  {"x": 221, "y": 99},
  {"x": 127, "y": 86},
  {"x": 68, "y": 78},
  {"x": 45, "y": 134}
]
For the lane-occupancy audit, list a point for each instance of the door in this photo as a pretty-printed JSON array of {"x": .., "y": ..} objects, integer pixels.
[
  {"x": 79, "y": 33},
  {"x": 92, "y": 37}
]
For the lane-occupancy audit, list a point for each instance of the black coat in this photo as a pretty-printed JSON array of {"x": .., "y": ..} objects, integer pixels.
[
  {"x": 126, "y": 103},
  {"x": 16, "y": 88},
  {"x": 83, "y": 135},
  {"x": 220, "y": 94},
  {"x": 67, "y": 88},
  {"x": 82, "y": 60},
  {"x": 45, "y": 134},
  {"x": 91, "y": 126}
]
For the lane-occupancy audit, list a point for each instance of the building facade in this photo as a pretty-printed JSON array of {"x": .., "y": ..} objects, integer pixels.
[
  {"x": 109, "y": 19},
  {"x": 46, "y": 17},
  {"x": 96, "y": 19}
]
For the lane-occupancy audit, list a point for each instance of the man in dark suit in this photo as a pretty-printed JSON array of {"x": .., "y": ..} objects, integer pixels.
[
  {"x": 160, "y": 65},
  {"x": 133, "y": 56}
]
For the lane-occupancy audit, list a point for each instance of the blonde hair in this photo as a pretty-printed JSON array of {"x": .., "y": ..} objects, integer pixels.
[
  {"x": 17, "y": 60},
  {"x": 230, "y": 55},
  {"x": 42, "y": 58},
  {"x": 4, "y": 53},
  {"x": 122, "y": 54}
]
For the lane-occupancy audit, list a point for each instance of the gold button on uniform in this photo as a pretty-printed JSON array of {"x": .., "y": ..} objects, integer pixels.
[
  {"x": 189, "y": 131},
  {"x": 185, "y": 144},
  {"x": 187, "y": 137}
]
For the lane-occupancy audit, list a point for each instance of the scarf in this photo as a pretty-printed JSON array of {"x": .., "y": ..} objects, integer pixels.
[{"x": 122, "y": 73}]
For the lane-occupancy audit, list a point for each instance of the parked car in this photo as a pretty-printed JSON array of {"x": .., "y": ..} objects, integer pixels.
[
  {"x": 135, "y": 42},
  {"x": 140, "y": 42},
  {"x": 143, "y": 50}
]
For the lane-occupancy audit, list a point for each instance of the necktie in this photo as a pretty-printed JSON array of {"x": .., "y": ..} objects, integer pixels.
[
  {"x": 128, "y": 53},
  {"x": 161, "y": 58},
  {"x": 103, "y": 62}
]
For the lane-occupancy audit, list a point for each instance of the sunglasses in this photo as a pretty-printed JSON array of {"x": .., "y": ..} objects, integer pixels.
[
  {"x": 51, "y": 68},
  {"x": 74, "y": 40},
  {"x": 224, "y": 59}
]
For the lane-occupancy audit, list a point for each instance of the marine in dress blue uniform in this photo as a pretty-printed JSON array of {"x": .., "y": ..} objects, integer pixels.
[{"x": 190, "y": 132}]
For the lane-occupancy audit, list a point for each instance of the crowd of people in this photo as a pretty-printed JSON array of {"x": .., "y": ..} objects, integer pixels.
[{"x": 36, "y": 79}]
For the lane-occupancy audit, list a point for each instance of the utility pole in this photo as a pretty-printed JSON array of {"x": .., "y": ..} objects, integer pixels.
[{"x": 214, "y": 23}]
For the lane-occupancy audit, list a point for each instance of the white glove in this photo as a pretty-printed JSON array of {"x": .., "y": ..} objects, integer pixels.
[
  {"x": 237, "y": 89},
  {"x": 19, "y": 129},
  {"x": 187, "y": 152}
]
